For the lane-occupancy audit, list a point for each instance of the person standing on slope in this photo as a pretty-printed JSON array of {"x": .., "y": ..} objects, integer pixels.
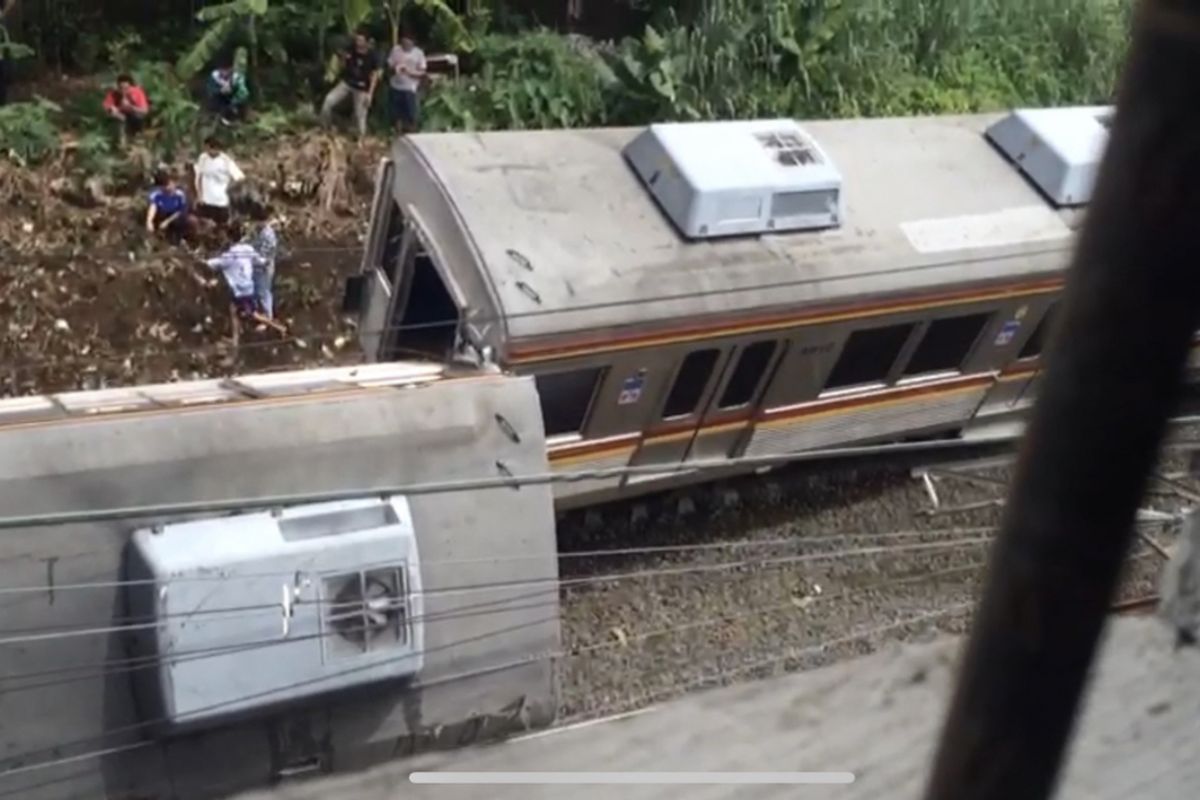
[
  {"x": 359, "y": 76},
  {"x": 216, "y": 172},
  {"x": 407, "y": 66},
  {"x": 266, "y": 244}
]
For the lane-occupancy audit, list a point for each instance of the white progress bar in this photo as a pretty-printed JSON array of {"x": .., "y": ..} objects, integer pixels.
[{"x": 609, "y": 778}]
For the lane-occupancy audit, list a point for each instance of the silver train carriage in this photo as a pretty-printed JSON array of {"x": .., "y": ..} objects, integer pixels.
[{"x": 716, "y": 290}]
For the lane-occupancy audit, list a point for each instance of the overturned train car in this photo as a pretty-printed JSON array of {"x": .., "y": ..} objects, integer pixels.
[{"x": 714, "y": 290}]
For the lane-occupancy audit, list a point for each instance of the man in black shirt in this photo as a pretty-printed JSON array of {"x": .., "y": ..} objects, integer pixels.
[{"x": 359, "y": 74}]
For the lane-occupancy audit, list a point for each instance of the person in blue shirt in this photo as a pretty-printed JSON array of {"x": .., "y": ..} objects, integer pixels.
[{"x": 167, "y": 210}]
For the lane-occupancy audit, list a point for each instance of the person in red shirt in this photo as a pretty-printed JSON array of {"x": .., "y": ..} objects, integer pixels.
[{"x": 128, "y": 105}]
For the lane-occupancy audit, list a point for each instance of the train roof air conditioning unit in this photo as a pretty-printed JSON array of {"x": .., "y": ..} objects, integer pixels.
[
  {"x": 1058, "y": 149},
  {"x": 717, "y": 179},
  {"x": 251, "y": 611}
]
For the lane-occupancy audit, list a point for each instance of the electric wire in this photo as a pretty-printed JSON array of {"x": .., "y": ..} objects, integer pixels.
[
  {"x": 807, "y": 650},
  {"x": 504, "y": 480},
  {"x": 636, "y": 301},
  {"x": 285, "y": 690},
  {"x": 501, "y": 558},
  {"x": 578, "y": 650},
  {"x": 110, "y": 669},
  {"x": 558, "y": 584},
  {"x": 128, "y": 666},
  {"x": 122, "y": 622},
  {"x": 501, "y": 481},
  {"x": 793, "y": 653},
  {"x": 61, "y": 760}
]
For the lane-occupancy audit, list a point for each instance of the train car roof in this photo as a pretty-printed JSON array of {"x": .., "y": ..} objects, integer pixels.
[{"x": 570, "y": 241}]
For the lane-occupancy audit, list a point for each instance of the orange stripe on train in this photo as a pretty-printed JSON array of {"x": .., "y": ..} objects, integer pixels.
[
  {"x": 592, "y": 345},
  {"x": 785, "y": 415}
]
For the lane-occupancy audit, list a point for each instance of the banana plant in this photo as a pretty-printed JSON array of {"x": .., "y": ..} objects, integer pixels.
[
  {"x": 226, "y": 20},
  {"x": 452, "y": 25},
  {"x": 11, "y": 50},
  {"x": 354, "y": 14}
]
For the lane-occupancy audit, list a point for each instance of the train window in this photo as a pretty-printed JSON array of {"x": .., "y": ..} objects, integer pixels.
[
  {"x": 868, "y": 356},
  {"x": 1033, "y": 347},
  {"x": 946, "y": 344},
  {"x": 566, "y": 398},
  {"x": 690, "y": 382},
  {"x": 389, "y": 254},
  {"x": 748, "y": 374}
]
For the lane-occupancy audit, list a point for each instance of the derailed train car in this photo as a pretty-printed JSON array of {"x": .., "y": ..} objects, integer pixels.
[{"x": 714, "y": 290}]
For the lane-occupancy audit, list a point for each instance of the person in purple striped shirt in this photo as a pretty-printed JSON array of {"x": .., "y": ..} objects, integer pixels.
[{"x": 238, "y": 265}]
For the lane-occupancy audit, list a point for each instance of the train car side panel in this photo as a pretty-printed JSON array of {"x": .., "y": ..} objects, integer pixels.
[
  {"x": 833, "y": 422},
  {"x": 1021, "y": 339}
]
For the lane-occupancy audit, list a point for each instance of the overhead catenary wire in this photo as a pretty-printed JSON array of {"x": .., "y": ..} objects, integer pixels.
[
  {"x": 119, "y": 667},
  {"x": 238, "y": 505},
  {"x": 62, "y": 760},
  {"x": 604, "y": 711},
  {"x": 502, "y": 481},
  {"x": 511, "y": 481},
  {"x": 557, "y": 584},
  {"x": 800, "y": 652},
  {"x": 961, "y": 537},
  {"x": 902, "y": 269},
  {"x": 11, "y": 685},
  {"x": 793, "y": 653},
  {"x": 137, "y": 727},
  {"x": 650, "y": 550},
  {"x": 482, "y": 319}
]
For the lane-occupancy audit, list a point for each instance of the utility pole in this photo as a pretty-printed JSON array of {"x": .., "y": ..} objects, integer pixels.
[{"x": 1113, "y": 376}]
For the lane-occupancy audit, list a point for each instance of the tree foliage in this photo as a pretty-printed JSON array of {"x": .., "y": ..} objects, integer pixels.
[
  {"x": 12, "y": 50},
  {"x": 225, "y": 22},
  {"x": 688, "y": 59}
]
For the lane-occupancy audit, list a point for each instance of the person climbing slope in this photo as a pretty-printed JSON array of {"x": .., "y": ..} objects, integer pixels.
[{"x": 237, "y": 264}]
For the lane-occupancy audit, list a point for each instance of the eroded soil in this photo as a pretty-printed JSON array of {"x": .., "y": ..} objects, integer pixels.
[{"x": 87, "y": 301}]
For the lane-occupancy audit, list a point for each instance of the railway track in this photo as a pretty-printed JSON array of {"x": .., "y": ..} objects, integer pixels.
[{"x": 811, "y": 564}]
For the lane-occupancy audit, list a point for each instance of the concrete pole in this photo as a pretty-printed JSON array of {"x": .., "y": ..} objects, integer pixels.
[{"x": 1113, "y": 376}]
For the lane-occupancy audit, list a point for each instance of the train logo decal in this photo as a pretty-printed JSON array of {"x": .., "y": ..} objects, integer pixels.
[
  {"x": 1008, "y": 332},
  {"x": 631, "y": 389}
]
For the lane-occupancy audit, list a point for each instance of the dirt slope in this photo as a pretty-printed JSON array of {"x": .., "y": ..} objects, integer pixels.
[{"x": 86, "y": 301}]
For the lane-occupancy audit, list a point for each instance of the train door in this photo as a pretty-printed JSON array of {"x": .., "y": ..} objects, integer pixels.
[
  {"x": 369, "y": 294},
  {"x": 1017, "y": 384},
  {"x": 423, "y": 319},
  {"x": 730, "y": 414},
  {"x": 669, "y": 436}
]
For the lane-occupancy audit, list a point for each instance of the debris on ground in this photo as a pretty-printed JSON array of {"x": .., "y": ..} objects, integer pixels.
[{"x": 87, "y": 301}]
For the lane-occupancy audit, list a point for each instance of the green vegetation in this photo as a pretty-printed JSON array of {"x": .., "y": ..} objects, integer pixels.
[{"x": 687, "y": 59}]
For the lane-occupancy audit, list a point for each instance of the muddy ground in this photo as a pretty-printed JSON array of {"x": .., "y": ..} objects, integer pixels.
[{"x": 86, "y": 301}]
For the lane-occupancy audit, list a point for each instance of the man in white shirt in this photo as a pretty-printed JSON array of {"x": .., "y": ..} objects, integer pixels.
[
  {"x": 215, "y": 173},
  {"x": 406, "y": 65}
]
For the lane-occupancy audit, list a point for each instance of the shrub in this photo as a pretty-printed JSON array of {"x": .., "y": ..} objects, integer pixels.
[
  {"x": 28, "y": 133},
  {"x": 533, "y": 80}
]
